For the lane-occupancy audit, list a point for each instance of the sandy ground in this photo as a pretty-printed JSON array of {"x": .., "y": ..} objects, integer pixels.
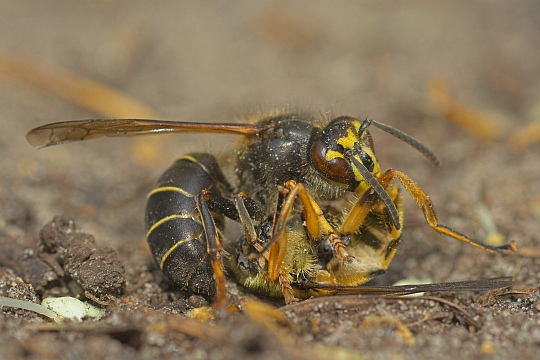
[{"x": 202, "y": 61}]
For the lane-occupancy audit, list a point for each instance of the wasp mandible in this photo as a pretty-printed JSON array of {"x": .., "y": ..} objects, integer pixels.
[{"x": 290, "y": 169}]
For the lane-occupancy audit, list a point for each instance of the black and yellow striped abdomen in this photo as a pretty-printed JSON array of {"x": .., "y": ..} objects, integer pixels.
[{"x": 174, "y": 230}]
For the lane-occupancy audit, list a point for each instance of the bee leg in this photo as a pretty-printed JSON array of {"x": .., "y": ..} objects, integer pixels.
[
  {"x": 287, "y": 289},
  {"x": 423, "y": 201},
  {"x": 213, "y": 247}
]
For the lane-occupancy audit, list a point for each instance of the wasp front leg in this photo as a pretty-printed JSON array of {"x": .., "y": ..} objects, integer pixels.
[
  {"x": 315, "y": 223},
  {"x": 423, "y": 201},
  {"x": 373, "y": 237},
  {"x": 314, "y": 226},
  {"x": 368, "y": 202}
]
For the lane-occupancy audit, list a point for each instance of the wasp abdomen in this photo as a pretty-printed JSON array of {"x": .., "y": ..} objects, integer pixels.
[{"x": 174, "y": 230}]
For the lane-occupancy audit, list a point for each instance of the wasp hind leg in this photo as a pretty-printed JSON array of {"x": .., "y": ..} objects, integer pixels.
[{"x": 213, "y": 247}]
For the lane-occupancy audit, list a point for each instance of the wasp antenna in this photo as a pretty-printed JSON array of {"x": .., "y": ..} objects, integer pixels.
[
  {"x": 374, "y": 184},
  {"x": 430, "y": 155},
  {"x": 365, "y": 124}
]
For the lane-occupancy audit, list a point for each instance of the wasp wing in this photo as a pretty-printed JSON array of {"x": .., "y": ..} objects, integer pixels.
[
  {"x": 70, "y": 131},
  {"x": 471, "y": 285}
]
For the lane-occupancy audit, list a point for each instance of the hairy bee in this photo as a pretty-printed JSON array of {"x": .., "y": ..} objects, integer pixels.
[{"x": 291, "y": 168}]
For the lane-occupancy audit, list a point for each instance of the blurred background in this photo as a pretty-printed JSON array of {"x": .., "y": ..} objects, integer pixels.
[{"x": 414, "y": 65}]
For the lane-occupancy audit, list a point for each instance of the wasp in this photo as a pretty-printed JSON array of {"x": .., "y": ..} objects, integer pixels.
[{"x": 291, "y": 168}]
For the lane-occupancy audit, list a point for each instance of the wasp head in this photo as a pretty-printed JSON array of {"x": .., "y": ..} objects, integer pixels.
[{"x": 342, "y": 153}]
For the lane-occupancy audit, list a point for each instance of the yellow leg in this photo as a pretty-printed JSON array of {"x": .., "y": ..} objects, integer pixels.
[
  {"x": 363, "y": 206},
  {"x": 316, "y": 225},
  {"x": 427, "y": 208}
]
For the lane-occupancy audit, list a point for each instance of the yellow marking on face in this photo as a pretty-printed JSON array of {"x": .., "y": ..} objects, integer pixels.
[
  {"x": 332, "y": 154},
  {"x": 164, "y": 220},
  {"x": 169, "y": 188},
  {"x": 348, "y": 141},
  {"x": 357, "y": 176},
  {"x": 376, "y": 168},
  {"x": 357, "y": 125}
]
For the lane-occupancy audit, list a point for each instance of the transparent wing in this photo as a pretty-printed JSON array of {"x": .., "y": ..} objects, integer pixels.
[
  {"x": 471, "y": 285},
  {"x": 78, "y": 130}
]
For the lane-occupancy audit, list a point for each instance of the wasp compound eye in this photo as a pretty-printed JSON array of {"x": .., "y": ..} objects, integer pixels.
[{"x": 337, "y": 169}]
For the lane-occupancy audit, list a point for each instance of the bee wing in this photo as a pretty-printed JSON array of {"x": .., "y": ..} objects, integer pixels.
[
  {"x": 70, "y": 131},
  {"x": 471, "y": 285}
]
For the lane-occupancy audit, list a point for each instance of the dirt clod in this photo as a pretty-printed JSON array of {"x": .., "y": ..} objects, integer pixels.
[{"x": 97, "y": 271}]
